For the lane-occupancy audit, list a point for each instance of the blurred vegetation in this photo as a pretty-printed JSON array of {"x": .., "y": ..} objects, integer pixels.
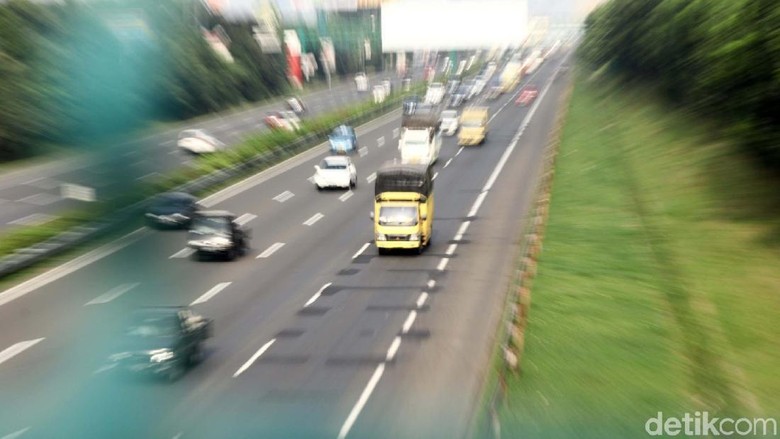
[
  {"x": 650, "y": 295},
  {"x": 79, "y": 75},
  {"x": 720, "y": 58}
]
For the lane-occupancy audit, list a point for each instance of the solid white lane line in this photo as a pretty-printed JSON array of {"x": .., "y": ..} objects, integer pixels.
[
  {"x": 380, "y": 142},
  {"x": 314, "y": 218},
  {"x": 361, "y": 402},
  {"x": 346, "y": 196},
  {"x": 362, "y": 249},
  {"x": 448, "y": 162},
  {"x": 183, "y": 253},
  {"x": 395, "y": 133},
  {"x": 460, "y": 150},
  {"x": 436, "y": 174},
  {"x": 393, "y": 348},
  {"x": 16, "y": 434},
  {"x": 112, "y": 294},
  {"x": 245, "y": 218},
  {"x": 254, "y": 358},
  {"x": 371, "y": 177},
  {"x": 431, "y": 283},
  {"x": 363, "y": 151},
  {"x": 451, "y": 249},
  {"x": 211, "y": 293},
  {"x": 284, "y": 196},
  {"x": 17, "y": 349},
  {"x": 70, "y": 266},
  {"x": 409, "y": 322},
  {"x": 35, "y": 219},
  {"x": 477, "y": 204},
  {"x": 270, "y": 250},
  {"x": 316, "y": 295},
  {"x": 421, "y": 300},
  {"x": 442, "y": 264},
  {"x": 105, "y": 368}
]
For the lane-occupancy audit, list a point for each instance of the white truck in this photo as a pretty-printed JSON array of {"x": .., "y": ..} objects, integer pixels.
[
  {"x": 420, "y": 140},
  {"x": 435, "y": 93}
]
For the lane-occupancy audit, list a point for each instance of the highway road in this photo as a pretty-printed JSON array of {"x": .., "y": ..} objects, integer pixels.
[
  {"x": 34, "y": 196},
  {"x": 315, "y": 335}
]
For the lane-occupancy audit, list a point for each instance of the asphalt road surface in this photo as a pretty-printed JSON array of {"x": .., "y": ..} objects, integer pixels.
[
  {"x": 34, "y": 195},
  {"x": 315, "y": 335}
]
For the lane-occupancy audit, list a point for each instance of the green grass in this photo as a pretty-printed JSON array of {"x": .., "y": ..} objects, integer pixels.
[{"x": 657, "y": 286}]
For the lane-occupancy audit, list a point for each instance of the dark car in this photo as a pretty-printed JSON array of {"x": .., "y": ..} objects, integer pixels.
[
  {"x": 172, "y": 209},
  {"x": 343, "y": 140},
  {"x": 162, "y": 341},
  {"x": 216, "y": 233},
  {"x": 459, "y": 96}
]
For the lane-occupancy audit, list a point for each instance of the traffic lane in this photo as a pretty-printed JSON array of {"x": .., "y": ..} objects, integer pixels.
[
  {"x": 435, "y": 385},
  {"x": 334, "y": 361}
]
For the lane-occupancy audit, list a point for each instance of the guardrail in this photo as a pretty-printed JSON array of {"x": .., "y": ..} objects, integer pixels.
[{"x": 77, "y": 235}]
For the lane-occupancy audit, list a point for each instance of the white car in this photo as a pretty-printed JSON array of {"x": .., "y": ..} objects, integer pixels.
[
  {"x": 335, "y": 171},
  {"x": 361, "y": 82},
  {"x": 450, "y": 122},
  {"x": 199, "y": 142},
  {"x": 435, "y": 93}
]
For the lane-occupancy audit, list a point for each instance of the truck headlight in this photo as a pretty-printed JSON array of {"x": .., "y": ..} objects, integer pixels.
[
  {"x": 380, "y": 237},
  {"x": 160, "y": 355},
  {"x": 414, "y": 237}
]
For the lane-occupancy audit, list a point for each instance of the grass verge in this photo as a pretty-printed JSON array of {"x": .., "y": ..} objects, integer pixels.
[{"x": 656, "y": 289}]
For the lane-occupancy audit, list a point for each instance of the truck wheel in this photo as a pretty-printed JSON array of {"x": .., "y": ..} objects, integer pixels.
[
  {"x": 353, "y": 184},
  {"x": 196, "y": 355},
  {"x": 231, "y": 254},
  {"x": 177, "y": 370}
]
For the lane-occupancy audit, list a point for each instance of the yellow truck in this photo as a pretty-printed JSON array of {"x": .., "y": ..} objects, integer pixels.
[
  {"x": 403, "y": 207},
  {"x": 473, "y": 126}
]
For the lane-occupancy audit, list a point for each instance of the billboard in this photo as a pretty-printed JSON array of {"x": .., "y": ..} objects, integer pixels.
[{"x": 409, "y": 25}]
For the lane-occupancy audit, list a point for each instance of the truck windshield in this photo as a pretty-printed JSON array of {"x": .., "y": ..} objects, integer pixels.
[
  {"x": 471, "y": 123},
  {"x": 398, "y": 216}
]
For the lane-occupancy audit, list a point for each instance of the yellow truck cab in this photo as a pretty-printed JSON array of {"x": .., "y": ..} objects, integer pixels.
[
  {"x": 403, "y": 207},
  {"x": 473, "y": 126}
]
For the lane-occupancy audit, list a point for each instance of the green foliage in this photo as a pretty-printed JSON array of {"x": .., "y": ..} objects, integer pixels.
[{"x": 720, "y": 58}]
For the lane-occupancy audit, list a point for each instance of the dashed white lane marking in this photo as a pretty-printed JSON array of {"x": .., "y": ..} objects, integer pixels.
[
  {"x": 245, "y": 218},
  {"x": 451, "y": 249},
  {"x": 362, "y": 249},
  {"x": 421, "y": 300},
  {"x": 477, "y": 204},
  {"x": 112, "y": 294},
  {"x": 346, "y": 196},
  {"x": 41, "y": 199},
  {"x": 371, "y": 177},
  {"x": 442, "y": 264},
  {"x": 183, "y": 253},
  {"x": 409, "y": 322},
  {"x": 431, "y": 283},
  {"x": 317, "y": 295},
  {"x": 17, "y": 434},
  {"x": 363, "y": 151},
  {"x": 70, "y": 266},
  {"x": 436, "y": 174},
  {"x": 35, "y": 219},
  {"x": 460, "y": 150},
  {"x": 284, "y": 196},
  {"x": 361, "y": 402},
  {"x": 211, "y": 293},
  {"x": 448, "y": 162},
  {"x": 254, "y": 358},
  {"x": 314, "y": 218},
  {"x": 18, "y": 348},
  {"x": 380, "y": 142},
  {"x": 146, "y": 176},
  {"x": 393, "y": 348},
  {"x": 270, "y": 250},
  {"x": 395, "y": 133},
  {"x": 461, "y": 230}
]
